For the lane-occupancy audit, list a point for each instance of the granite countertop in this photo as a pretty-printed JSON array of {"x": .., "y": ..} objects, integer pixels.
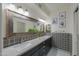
[{"x": 23, "y": 47}]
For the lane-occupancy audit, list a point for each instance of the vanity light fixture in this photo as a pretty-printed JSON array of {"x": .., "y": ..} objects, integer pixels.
[
  {"x": 41, "y": 20},
  {"x": 19, "y": 10},
  {"x": 26, "y": 13},
  {"x": 11, "y": 7}
]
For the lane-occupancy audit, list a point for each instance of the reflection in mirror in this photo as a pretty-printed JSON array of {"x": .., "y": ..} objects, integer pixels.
[{"x": 20, "y": 25}]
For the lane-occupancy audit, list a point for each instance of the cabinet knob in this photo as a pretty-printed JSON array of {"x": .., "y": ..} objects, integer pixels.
[
  {"x": 43, "y": 42},
  {"x": 44, "y": 46}
]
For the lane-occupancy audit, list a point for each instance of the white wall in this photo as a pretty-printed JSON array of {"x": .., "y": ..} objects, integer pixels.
[
  {"x": 3, "y": 21},
  {"x": 55, "y": 28},
  {"x": 70, "y": 27},
  {"x": 0, "y": 29},
  {"x": 73, "y": 29},
  {"x": 75, "y": 38}
]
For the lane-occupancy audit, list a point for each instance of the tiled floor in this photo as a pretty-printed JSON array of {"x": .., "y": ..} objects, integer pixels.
[{"x": 58, "y": 52}]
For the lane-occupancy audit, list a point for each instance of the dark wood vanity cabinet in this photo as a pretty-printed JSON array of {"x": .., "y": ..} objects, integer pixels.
[{"x": 40, "y": 50}]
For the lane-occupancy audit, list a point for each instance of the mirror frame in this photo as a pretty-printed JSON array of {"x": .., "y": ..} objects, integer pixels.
[{"x": 9, "y": 21}]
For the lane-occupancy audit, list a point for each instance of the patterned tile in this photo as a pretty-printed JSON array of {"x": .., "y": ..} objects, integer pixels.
[{"x": 62, "y": 41}]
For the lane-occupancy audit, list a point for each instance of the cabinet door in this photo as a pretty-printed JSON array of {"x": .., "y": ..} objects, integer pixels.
[
  {"x": 42, "y": 51},
  {"x": 36, "y": 54},
  {"x": 48, "y": 43}
]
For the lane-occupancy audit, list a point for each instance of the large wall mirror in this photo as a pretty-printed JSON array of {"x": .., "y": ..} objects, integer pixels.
[{"x": 18, "y": 23}]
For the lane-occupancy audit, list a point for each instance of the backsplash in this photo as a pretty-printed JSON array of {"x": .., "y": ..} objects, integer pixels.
[{"x": 20, "y": 37}]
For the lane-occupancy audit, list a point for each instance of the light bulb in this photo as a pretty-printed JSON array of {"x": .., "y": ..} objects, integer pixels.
[
  {"x": 20, "y": 10},
  {"x": 26, "y": 13},
  {"x": 41, "y": 20}
]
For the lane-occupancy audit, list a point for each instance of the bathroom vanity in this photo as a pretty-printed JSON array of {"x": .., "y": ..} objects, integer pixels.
[{"x": 40, "y": 50}]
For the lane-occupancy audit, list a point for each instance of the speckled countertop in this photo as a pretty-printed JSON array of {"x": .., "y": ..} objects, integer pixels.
[{"x": 23, "y": 47}]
